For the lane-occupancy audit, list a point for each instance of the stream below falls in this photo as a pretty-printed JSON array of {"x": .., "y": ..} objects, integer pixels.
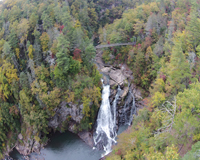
[{"x": 65, "y": 146}]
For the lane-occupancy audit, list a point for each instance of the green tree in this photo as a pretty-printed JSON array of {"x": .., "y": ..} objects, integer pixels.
[{"x": 178, "y": 70}]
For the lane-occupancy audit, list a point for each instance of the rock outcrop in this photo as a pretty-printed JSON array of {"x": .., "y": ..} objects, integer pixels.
[{"x": 65, "y": 110}]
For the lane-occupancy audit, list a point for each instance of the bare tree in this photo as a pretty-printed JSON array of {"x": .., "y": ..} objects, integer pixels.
[{"x": 170, "y": 109}]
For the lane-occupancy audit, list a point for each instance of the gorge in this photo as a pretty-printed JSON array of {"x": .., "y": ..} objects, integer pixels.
[{"x": 119, "y": 102}]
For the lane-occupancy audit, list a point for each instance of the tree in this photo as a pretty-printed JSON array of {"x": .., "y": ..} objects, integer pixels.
[
  {"x": 6, "y": 50},
  {"x": 9, "y": 123},
  {"x": 30, "y": 51},
  {"x": 8, "y": 75},
  {"x": 13, "y": 40},
  {"x": 44, "y": 41},
  {"x": 139, "y": 66},
  {"x": 14, "y": 14},
  {"x": 51, "y": 99},
  {"x": 88, "y": 56},
  {"x": 193, "y": 27},
  {"x": 33, "y": 20},
  {"x": 22, "y": 30},
  {"x": 186, "y": 122},
  {"x": 63, "y": 59},
  {"x": 47, "y": 21},
  {"x": 178, "y": 70}
]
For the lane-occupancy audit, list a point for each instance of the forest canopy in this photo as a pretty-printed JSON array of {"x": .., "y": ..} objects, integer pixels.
[{"x": 47, "y": 51}]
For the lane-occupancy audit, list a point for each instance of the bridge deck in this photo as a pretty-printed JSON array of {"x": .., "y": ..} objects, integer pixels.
[{"x": 114, "y": 45}]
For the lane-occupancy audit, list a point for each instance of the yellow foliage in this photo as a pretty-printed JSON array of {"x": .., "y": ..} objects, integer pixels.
[
  {"x": 51, "y": 99},
  {"x": 30, "y": 51},
  {"x": 196, "y": 137},
  {"x": 44, "y": 41},
  {"x": 8, "y": 74},
  {"x": 22, "y": 29},
  {"x": 37, "y": 138},
  {"x": 86, "y": 106},
  {"x": 2, "y": 41},
  {"x": 17, "y": 52},
  {"x": 170, "y": 154},
  {"x": 69, "y": 96},
  {"x": 158, "y": 98},
  {"x": 77, "y": 24}
]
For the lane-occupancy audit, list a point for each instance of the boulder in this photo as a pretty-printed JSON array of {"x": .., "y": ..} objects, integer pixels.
[
  {"x": 106, "y": 70},
  {"x": 117, "y": 76},
  {"x": 112, "y": 83}
]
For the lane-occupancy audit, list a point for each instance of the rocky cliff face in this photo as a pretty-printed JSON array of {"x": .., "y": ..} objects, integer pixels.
[{"x": 74, "y": 113}]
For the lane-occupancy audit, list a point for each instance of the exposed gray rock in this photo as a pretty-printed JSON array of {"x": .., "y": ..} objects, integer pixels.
[
  {"x": 117, "y": 76},
  {"x": 25, "y": 148},
  {"x": 65, "y": 110},
  {"x": 106, "y": 70},
  {"x": 113, "y": 83},
  {"x": 54, "y": 122}
]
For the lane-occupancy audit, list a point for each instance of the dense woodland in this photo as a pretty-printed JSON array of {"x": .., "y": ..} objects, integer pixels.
[
  {"x": 165, "y": 62},
  {"x": 47, "y": 56}
]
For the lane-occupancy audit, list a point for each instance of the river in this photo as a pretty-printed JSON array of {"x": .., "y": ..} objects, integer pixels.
[{"x": 65, "y": 146}]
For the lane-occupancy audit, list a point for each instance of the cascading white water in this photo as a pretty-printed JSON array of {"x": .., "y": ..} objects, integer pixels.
[
  {"x": 114, "y": 107},
  {"x": 106, "y": 132},
  {"x": 133, "y": 109},
  {"x": 125, "y": 115}
]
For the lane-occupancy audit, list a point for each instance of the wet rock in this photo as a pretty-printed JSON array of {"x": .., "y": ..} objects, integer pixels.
[{"x": 87, "y": 138}]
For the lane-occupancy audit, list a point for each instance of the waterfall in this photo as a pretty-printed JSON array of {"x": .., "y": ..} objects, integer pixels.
[
  {"x": 129, "y": 106},
  {"x": 105, "y": 134},
  {"x": 133, "y": 109},
  {"x": 114, "y": 109}
]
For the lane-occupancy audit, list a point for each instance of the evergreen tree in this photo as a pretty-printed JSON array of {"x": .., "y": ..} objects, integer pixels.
[{"x": 179, "y": 70}]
